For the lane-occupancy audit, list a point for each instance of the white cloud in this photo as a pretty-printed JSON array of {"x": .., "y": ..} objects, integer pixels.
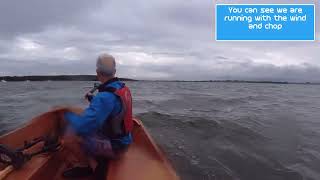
[{"x": 28, "y": 45}]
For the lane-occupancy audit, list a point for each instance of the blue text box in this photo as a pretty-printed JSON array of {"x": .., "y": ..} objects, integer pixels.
[{"x": 275, "y": 22}]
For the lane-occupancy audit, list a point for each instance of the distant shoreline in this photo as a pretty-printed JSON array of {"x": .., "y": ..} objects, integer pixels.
[
  {"x": 55, "y": 78},
  {"x": 94, "y": 78}
]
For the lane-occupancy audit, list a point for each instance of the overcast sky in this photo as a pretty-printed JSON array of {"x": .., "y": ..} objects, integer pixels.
[{"x": 151, "y": 39}]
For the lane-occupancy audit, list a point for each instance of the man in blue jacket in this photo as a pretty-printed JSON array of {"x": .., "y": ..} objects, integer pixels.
[{"x": 104, "y": 128}]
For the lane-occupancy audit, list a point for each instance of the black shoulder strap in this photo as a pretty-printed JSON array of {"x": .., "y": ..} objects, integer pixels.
[
  {"x": 107, "y": 89},
  {"x": 104, "y": 87}
]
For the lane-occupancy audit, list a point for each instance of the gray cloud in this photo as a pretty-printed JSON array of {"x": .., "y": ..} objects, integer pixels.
[
  {"x": 19, "y": 17},
  {"x": 151, "y": 39}
]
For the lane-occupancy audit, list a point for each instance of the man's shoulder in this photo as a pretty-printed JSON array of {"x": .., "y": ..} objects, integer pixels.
[
  {"x": 110, "y": 94},
  {"x": 116, "y": 84},
  {"x": 105, "y": 94}
]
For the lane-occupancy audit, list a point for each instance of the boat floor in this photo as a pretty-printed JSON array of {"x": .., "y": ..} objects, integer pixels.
[{"x": 44, "y": 167}]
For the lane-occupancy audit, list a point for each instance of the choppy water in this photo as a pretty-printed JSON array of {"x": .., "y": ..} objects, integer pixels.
[{"x": 209, "y": 130}]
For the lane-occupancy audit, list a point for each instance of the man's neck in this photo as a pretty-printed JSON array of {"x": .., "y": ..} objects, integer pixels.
[{"x": 105, "y": 79}]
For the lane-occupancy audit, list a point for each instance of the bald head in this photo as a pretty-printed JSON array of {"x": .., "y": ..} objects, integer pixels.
[{"x": 106, "y": 65}]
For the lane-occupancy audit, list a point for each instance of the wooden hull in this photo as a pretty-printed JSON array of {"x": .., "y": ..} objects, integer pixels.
[{"x": 142, "y": 161}]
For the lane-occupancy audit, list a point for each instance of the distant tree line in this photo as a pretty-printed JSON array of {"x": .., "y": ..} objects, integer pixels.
[{"x": 56, "y": 78}]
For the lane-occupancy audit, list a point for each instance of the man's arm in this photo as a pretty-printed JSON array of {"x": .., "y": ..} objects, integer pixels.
[{"x": 94, "y": 116}]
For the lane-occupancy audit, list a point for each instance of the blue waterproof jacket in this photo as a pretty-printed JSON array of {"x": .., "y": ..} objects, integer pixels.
[{"x": 102, "y": 106}]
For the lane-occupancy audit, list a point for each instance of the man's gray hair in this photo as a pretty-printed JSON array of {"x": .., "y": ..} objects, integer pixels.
[{"x": 103, "y": 68}]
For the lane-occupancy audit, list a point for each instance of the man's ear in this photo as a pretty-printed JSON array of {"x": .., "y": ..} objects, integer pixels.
[{"x": 98, "y": 73}]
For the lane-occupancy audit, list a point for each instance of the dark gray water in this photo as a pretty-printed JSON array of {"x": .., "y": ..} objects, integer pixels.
[{"x": 209, "y": 130}]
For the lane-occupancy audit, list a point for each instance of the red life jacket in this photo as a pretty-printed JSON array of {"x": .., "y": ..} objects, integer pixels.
[
  {"x": 122, "y": 123},
  {"x": 126, "y": 99}
]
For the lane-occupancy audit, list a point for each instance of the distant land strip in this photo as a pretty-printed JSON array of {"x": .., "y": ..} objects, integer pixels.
[
  {"x": 56, "y": 78},
  {"x": 94, "y": 78}
]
